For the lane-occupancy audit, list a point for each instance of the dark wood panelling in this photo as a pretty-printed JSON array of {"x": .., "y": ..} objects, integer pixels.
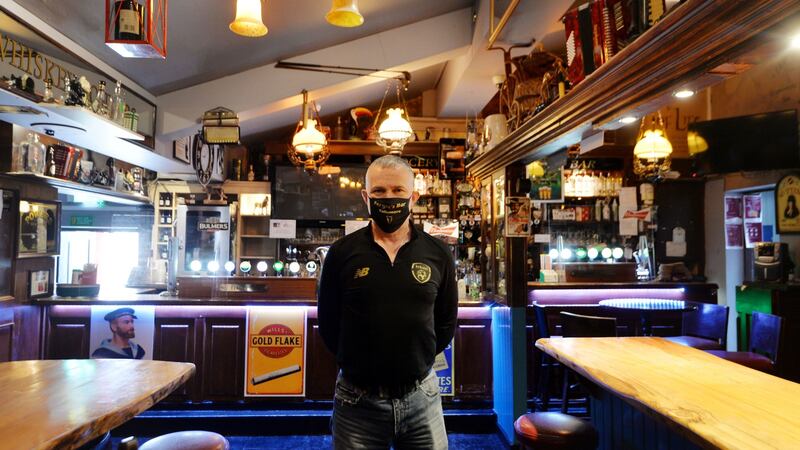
[
  {"x": 6, "y": 341},
  {"x": 320, "y": 364},
  {"x": 68, "y": 340},
  {"x": 175, "y": 340},
  {"x": 473, "y": 360},
  {"x": 223, "y": 359},
  {"x": 681, "y": 204}
]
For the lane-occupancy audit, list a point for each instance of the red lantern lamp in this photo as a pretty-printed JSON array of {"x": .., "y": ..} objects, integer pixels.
[{"x": 137, "y": 28}]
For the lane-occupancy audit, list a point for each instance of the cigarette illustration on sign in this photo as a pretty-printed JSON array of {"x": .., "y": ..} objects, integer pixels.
[
  {"x": 275, "y": 351},
  {"x": 275, "y": 374}
]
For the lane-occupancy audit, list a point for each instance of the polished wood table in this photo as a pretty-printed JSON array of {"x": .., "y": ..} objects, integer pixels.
[
  {"x": 648, "y": 392},
  {"x": 66, "y": 403}
]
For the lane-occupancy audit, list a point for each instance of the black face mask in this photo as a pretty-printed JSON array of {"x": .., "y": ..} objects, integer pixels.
[{"x": 389, "y": 213}]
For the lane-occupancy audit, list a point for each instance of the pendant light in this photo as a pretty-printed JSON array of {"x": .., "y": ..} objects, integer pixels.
[
  {"x": 653, "y": 150},
  {"x": 395, "y": 131},
  {"x": 309, "y": 146},
  {"x": 248, "y": 20},
  {"x": 344, "y": 13}
]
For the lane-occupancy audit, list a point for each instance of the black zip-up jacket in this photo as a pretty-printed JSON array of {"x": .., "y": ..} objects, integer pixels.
[{"x": 387, "y": 322}]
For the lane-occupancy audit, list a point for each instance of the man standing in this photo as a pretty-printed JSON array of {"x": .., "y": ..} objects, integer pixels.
[
  {"x": 120, "y": 345},
  {"x": 387, "y": 306}
]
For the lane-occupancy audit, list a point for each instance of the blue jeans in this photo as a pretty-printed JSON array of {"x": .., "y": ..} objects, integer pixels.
[{"x": 364, "y": 421}]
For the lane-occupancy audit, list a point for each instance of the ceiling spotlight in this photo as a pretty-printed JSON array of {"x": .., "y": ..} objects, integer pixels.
[
  {"x": 683, "y": 93},
  {"x": 628, "y": 119}
]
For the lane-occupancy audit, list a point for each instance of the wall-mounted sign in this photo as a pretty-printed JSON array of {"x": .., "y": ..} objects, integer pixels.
[
  {"x": 122, "y": 331},
  {"x": 787, "y": 211},
  {"x": 81, "y": 221},
  {"x": 212, "y": 226},
  {"x": 282, "y": 228},
  {"x": 276, "y": 352},
  {"x": 32, "y": 62},
  {"x": 518, "y": 216},
  {"x": 443, "y": 366}
]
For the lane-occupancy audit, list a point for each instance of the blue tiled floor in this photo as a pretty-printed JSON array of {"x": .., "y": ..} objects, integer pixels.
[{"x": 456, "y": 441}]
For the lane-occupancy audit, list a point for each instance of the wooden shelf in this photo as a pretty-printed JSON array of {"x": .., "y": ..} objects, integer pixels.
[
  {"x": 72, "y": 187},
  {"x": 254, "y": 236},
  {"x": 682, "y": 50},
  {"x": 354, "y": 147},
  {"x": 83, "y": 128}
]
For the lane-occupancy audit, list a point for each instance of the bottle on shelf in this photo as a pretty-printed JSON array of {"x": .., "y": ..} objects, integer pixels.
[{"x": 118, "y": 107}]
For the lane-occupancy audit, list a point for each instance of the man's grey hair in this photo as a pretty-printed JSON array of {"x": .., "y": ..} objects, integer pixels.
[{"x": 392, "y": 162}]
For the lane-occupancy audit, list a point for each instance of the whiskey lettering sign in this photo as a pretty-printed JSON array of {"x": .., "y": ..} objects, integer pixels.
[{"x": 32, "y": 62}]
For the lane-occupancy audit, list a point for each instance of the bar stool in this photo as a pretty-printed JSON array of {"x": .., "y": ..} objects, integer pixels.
[
  {"x": 576, "y": 325},
  {"x": 554, "y": 431},
  {"x": 765, "y": 341},
  {"x": 705, "y": 328},
  {"x": 181, "y": 440}
]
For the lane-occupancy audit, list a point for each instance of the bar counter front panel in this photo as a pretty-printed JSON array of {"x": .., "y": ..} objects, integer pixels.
[{"x": 213, "y": 337}]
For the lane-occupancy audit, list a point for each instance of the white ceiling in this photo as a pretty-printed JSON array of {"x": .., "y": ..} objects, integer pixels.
[
  {"x": 442, "y": 42},
  {"x": 202, "y": 48}
]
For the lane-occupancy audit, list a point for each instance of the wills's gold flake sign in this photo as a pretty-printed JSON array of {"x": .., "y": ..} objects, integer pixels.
[
  {"x": 31, "y": 61},
  {"x": 787, "y": 210},
  {"x": 276, "y": 352}
]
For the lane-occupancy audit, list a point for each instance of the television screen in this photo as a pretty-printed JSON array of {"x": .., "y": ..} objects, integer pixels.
[
  {"x": 746, "y": 143},
  {"x": 302, "y": 196}
]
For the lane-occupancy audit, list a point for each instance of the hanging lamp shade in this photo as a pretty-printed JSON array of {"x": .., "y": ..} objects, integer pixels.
[
  {"x": 653, "y": 146},
  {"x": 395, "y": 127},
  {"x": 344, "y": 13},
  {"x": 309, "y": 139},
  {"x": 248, "y": 20}
]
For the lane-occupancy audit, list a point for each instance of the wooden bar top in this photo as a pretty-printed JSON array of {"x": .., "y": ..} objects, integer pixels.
[
  {"x": 66, "y": 403},
  {"x": 711, "y": 401}
]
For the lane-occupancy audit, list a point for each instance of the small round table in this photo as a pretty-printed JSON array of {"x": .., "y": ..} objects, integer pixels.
[{"x": 645, "y": 307}]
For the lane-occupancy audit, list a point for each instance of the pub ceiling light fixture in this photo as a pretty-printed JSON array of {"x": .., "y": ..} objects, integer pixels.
[
  {"x": 628, "y": 119},
  {"x": 683, "y": 93},
  {"x": 248, "y": 20},
  {"x": 309, "y": 146},
  {"x": 653, "y": 150},
  {"x": 395, "y": 130},
  {"x": 344, "y": 13}
]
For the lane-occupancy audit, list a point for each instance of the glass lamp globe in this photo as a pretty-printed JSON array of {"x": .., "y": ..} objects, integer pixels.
[
  {"x": 653, "y": 146},
  {"x": 395, "y": 127},
  {"x": 248, "y": 21},
  {"x": 309, "y": 139}
]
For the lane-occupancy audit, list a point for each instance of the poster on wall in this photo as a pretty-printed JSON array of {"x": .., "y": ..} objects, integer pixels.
[
  {"x": 733, "y": 209},
  {"x": 752, "y": 207},
  {"x": 518, "y": 216},
  {"x": 787, "y": 212},
  {"x": 734, "y": 236},
  {"x": 547, "y": 186},
  {"x": 443, "y": 366},
  {"x": 752, "y": 234},
  {"x": 122, "y": 332},
  {"x": 276, "y": 352}
]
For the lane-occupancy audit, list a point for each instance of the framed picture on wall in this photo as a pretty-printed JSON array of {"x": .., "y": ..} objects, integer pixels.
[
  {"x": 40, "y": 283},
  {"x": 181, "y": 149},
  {"x": 787, "y": 210}
]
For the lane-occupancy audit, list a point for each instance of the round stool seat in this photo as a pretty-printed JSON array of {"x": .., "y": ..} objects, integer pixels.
[
  {"x": 187, "y": 440},
  {"x": 555, "y": 431}
]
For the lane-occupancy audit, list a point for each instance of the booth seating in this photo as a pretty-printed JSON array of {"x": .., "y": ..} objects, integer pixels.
[
  {"x": 705, "y": 328},
  {"x": 181, "y": 440},
  {"x": 765, "y": 340},
  {"x": 554, "y": 431}
]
